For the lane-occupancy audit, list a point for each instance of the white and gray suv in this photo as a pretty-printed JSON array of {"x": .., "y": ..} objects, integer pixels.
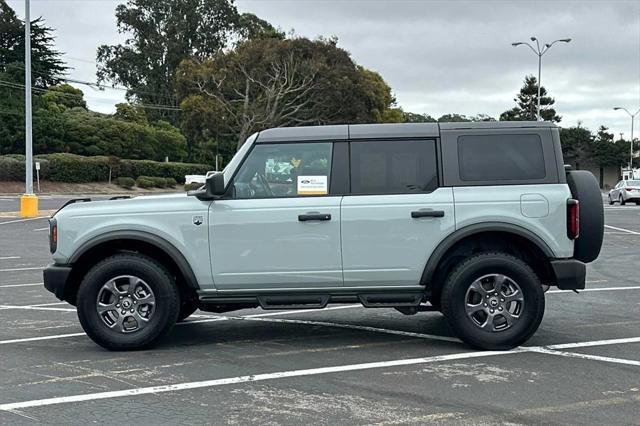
[{"x": 472, "y": 219}]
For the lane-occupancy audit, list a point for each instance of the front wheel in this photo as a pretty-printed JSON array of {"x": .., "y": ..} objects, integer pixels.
[
  {"x": 493, "y": 301},
  {"x": 127, "y": 301}
]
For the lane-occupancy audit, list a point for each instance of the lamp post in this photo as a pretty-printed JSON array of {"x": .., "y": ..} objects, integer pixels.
[
  {"x": 633, "y": 117},
  {"x": 539, "y": 53},
  {"x": 28, "y": 202}
]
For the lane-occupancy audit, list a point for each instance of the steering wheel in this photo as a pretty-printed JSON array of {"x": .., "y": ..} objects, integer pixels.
[{"x": 265, "y": 184}]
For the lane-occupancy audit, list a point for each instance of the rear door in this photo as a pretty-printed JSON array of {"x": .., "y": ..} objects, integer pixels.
[
  {"x": 281, "y": 226},
  {"x": 395, "y": 214}
]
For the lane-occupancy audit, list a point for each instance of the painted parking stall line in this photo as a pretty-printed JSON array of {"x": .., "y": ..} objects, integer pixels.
[{"x": 628, "y": 231}]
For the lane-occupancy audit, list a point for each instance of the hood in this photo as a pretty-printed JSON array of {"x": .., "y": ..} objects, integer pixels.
[{"x": 137, "y": 204}]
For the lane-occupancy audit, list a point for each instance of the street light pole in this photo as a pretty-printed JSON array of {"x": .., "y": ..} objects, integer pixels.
[
  {"x": 539, "y": 53},
  {"x": 28, "y": 202},
  {"x": 633, "y": 117}
]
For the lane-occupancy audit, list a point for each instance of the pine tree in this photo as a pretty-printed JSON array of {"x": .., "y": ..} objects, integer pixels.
[{"x": 527, "y": 104}]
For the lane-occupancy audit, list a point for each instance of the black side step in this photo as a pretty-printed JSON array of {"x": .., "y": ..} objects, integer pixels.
[
  {"x": 390, "y": 300},
  {"x": 303, "y": 301}
]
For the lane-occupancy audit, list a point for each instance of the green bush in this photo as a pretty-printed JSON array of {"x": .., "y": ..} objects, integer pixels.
[
  {"x": 145, "y": 182},
  {"x": 158, "y": 182},
  {"x": 171, "y": 182},
  {"x": 177, "y": 171},
  {"x": 125, "y": 182},
  {"x": 78, "y": 169},
  {"x": 12, "y": 168},
  {"x": 192, "y": 186}
]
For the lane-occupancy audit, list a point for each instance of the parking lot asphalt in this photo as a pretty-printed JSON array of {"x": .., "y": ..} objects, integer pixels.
[{"x": 342, "y": 365}]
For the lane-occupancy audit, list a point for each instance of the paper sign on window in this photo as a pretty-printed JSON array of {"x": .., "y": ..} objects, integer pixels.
[{"x": 312, "y": 185}]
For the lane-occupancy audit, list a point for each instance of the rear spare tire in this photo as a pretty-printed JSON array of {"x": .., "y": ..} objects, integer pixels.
[{"x": 584, "y": 188}]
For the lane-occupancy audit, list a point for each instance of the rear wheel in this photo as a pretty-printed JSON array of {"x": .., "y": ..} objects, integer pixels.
[
  {"x": 127, "y": 301},
  {"x": 622, "y": 201},
  {"x": 611, "y": 202},
  {"x": 493, "y": 301}
]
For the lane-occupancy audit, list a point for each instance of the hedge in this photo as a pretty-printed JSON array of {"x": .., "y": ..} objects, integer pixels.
[
  {"x": 125, "y": 182},
  {"x": 12, "y": 168},
  {"x": 75, "y": 168}
]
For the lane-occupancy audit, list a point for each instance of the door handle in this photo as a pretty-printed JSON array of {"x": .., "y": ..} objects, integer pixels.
[
  {"x": 427, "y": 213},
  {"x": 313, "y": 216}
]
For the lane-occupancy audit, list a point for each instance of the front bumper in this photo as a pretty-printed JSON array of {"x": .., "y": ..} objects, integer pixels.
[
  {"x": 56, "y": 279},
  {"x": 570, "y": 274}
]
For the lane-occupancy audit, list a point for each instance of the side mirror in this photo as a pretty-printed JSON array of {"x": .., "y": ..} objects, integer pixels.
[{"x": 215, "y": 185}]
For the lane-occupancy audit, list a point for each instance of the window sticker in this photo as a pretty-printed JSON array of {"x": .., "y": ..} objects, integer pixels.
[{"x": 312, "y": 185}]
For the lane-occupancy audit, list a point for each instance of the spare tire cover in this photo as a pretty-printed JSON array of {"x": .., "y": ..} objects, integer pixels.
[{"x": 584, "y": 188}]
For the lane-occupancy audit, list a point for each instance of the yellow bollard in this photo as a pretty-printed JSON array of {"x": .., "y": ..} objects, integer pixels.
[{"x": 28, "y": 206}]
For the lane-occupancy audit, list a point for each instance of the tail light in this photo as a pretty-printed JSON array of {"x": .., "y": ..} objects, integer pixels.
[
  {"x": 53, "y": 235},
  {"x": 573, "y": 219}
]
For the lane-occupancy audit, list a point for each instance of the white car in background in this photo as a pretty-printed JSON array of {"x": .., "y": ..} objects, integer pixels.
[
  {"x": 195, "y": 179},
  {"x": 625, "y": 190}
]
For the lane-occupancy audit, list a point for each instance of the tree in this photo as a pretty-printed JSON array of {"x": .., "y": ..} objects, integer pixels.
[
  {"x": 275, "y": 83},
  {"x": 46, "y": 64},
  {"x": 527, "y": 104},
  {"x": 412, "y": 117},
  {"x": 163, "y": 33}
]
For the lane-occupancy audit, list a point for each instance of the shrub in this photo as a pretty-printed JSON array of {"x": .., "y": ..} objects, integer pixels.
[
  {"x": 171, "y": 182},
  {"x": 144, "y": 182},
  {"x": 125, "y": 182},
  {"x": 78, "y": 169},
  {"x": 12, "y": 168},
  {"x": 177, "y": 171},
  {"x": 158, "y": 182},
  {"x": 192, "y": 186}
]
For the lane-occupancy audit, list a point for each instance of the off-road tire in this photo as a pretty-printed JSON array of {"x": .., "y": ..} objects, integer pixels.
[
  {"x": 166, "y": 309},
  {"x": 454, "y": 295}
]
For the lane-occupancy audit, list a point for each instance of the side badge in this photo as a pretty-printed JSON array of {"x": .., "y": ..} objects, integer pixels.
[{"x": 198, "y": 220}]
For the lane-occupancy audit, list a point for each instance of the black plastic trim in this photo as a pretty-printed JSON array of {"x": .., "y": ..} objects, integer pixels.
[
  {"x": 146, "y": 237},
  {"x": 570, "y": 274},
  {"x": 477, "y": 228},
  {"x": 55, "y": 278}
]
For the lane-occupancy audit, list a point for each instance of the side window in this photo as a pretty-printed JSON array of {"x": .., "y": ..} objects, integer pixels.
[
  {"x": 500, "y": 157},
  {"x": 285, "y": 170},
  {"x": 393, "y": 167}
]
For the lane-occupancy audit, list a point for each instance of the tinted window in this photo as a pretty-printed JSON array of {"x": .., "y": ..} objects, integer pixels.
[
  {"x": 500, "y": 157},
  {"x": 393, "y": 167},
  {"x": 285, "y": 170}
]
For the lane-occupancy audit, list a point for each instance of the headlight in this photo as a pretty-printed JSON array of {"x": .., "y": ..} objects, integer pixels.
[{"x": 53, "y": 235}]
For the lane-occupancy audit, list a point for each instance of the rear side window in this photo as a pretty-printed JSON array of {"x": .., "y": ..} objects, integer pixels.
[
  {"x": 500, "y": 157},
  {"x": 393, "y": 167}
]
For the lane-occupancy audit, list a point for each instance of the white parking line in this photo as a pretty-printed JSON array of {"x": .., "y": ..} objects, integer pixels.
[
  {"x": 628, "y": 231},
  {"x": 595, "y": 289},
  {"x": 19, "y": 285},
  {"x": 325, "y": 370},
  {"x": 37, "y": 308},
  {"x": 586, "y": 356},
  {"x": 354, "y": 327},
  {"x": 34, "y": 339},
  {"x": 23, "y": 220},
  {"x": 9, "y": 257},
  {"x": 595, "y": 343},
  {"x": 35, "y": 268},
  {"x": 41, "y": 229},
  {"x": 245, "y": 379}
]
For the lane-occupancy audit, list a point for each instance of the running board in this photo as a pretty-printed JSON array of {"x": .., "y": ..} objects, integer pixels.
[{"x": 272, "y": 301}]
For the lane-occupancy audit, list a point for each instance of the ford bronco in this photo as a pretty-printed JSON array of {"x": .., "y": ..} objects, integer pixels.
[{"x": 475, "y": 220}]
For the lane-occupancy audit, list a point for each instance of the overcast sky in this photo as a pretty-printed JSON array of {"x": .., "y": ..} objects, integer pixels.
[{"x": 438, "y": 56}]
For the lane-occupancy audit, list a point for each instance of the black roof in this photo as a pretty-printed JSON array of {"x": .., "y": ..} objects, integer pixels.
[{"x": 390, "y": 130}]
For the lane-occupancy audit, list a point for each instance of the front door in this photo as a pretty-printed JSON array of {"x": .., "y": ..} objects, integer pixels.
[
  {"x": 281, "y": 226},
  {"x": 396, "y": 214}
]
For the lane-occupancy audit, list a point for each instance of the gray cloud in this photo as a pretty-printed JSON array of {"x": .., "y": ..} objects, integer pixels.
[{"x": 438, "y": 56}]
